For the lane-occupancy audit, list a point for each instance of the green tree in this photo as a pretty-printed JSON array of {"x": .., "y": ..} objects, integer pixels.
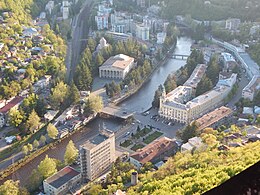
[
  {"x": 12, "y": 188},
  {"x": 58, "y": 95},
  {"x": 74, "y": 96},
  {"x": 170, "y": 83},
  {"x": 35, "y": 180},
  {"x": 204, "y": 85},
  {"x": 157, "y": 95},
  {"x": 83, "y": 78},
  {"x": 15, "y": 117},
  {"x": 52, "y": 131},
  {"x": 33, "y": 122},
  {"x": 188, "y": 132},
  {"x": 92, "y": 44},
  {"x": 43, "y": 139},
  {"x": 95, "y": 189},
  {"x": 35, "y": 144},
  {"x": 30, "y": 147},
  {"x": 25, "y": 149},
  {"x": 71, "y": 153},
  {"x": 99, "y": 60},
  {"x": 47, "y": 167},
  {"x": 93, "y": 104}
]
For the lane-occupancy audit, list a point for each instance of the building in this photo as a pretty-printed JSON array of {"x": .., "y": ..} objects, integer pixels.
[
  {"x": 49, "y": 6},
  {"x": 142, "y": 31},
  {"x": 140, "y": 3},
  {"x": 154, "y": 152},
  {"x": 62, "y": 181},
  {"x": 233, "y": 24},
  {"x": 97, "y": 155},
  {"x": 102, "y": 16},
  {"x": 193, "y": 143},
  {"x": 161, "y": 37},
  {"x": 228, "y": 61},
  {"x": 215, "y": 118},
  {"x": 250, "y": 91},
  {"x": 121, "y": 22},
  {"x": 65, "y": 13},
  {"x": 14, "y": 103},
  {"x": 116, "y": 67},
  {"x": 178, "y": 105},
  {"x": 102, "y": 44}
]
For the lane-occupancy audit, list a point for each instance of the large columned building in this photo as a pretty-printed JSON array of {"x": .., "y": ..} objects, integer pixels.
[{"x": 116, "y": 67}]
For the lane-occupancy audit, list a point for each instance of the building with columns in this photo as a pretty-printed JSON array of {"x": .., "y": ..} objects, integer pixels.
[{"x": 116, "y": 67}]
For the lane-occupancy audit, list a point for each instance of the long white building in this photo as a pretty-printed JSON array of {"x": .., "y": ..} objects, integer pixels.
[{"x": 179, "y": 106}]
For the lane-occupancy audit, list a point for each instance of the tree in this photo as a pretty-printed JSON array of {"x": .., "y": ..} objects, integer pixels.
[
  {"x": 71, "y": 153},
  {"x": 12, "y": 188},
  {"x": 35, "y": 144},
  {"x": 43, "y": 139},
  {"x": 59, "y": 93},
  {"x": 189, "y": 132},
  {"x": 74, "y": 95},
  {"x": 95, "y": 189},
  {"x": 52, "y": 131},
  {"x": 83, "y": 78},
  {"x": 93, "y": 104},
  {"x": 15, "y": 117},
  {"x": 157, "y": 95},
  {"x": 30, "y": 147},
  {"x": 33, "y": 121},
  {"x": 35, "y": 180},
  {"x": 47, "y": 167},
  {"x": 203, "y": 86},
  {"x": 170, "y": 83},
  {"x": 25, "y": 149},
  {"x": 92, "y": 44}
]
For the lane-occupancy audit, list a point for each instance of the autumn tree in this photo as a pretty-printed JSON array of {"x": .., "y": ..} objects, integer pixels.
[
  {"x": 33, "y": 122},
  {"x": 15, "y": 117},
  {"x": 47, "y": 167},
  {"x": 93, "y": 104},
  {"x": 58, "y": 95},
  {"x": 52, "y": 131},
  {"x": 71, "y": 153}
]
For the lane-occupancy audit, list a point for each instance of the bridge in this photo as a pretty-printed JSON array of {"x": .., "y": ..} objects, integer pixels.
[
  {"x": 115, "y": 111},
  {"x": 179, "y": 56}
]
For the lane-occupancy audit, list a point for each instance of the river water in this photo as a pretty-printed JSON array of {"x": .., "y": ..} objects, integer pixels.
[
  {"x": 139, "y": 102},
  {"x": 142, "y": 100}
]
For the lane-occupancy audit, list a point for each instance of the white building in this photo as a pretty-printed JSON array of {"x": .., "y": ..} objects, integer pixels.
[
  {"x": 116, "y": 67},
  {"x": 62, "y": 181},
  {"x": 228, "y": 60},
  {"x": 161, "y": 37},
  {"x": 178, "y": 106},
  {"x": 102, "y": 44},
  {"x": 102, "y": 16},
  {"x": 49, "y": 6},
  {"x": 121, "y": 22},
  {"x": 233, "y": 24},
  {"x": 254, "y": 29},
  {"x": 97, "y": 155},
  {"x": 65, "y": 13},
  {"x": 252, "y": 88},
  {"x": 141, "y": 3},
  {"x": 142, "y": 31},
  {"x": 192, "y": 144}
]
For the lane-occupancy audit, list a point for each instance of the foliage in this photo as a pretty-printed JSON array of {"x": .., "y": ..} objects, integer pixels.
[
  {"x": 35, "y": 144},
  {"x": 94, "y": 104},
  {"x": 43, "y": 139},
  {"x": 188, "y": 132},
  {"x": 25, "y": 149},
  {"x": 15, "y": 117},
  {"x": 74, "y": 96},
  {"x": 112, "y": 89},
  {"x": 126, "y": 143},
  {"x": 11, "y": 187},
  {"x": 157, "y": 95},
  {"x": 152, "y": 137},
  {"x": 47, "y": 167},
  {"x": 71, "y": 153},
  {"x": 137, "y": 146},
  {"x": 33, "y": 122},
  {"x": 35, "y": 180},
  {"x": 52, "y": 131},
  {"x": 59, "y": 93}
]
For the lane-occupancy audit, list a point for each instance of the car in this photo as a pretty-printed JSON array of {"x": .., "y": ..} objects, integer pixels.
[{"x": 127, "y": 133}]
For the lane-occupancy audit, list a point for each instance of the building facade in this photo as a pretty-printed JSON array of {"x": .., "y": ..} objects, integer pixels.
[
  {"x": 97, "y": 155},
  {"x": 116, "y": 67},
  {"x": 62, "y": 181},
  {"x": 142, "y": 32},
  {"x": 250, "y": 91}
]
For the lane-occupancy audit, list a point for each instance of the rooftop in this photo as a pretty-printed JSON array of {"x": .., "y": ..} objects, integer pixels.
[
  {"x": 97, "y": 139},
  {"x": 11, "y": 104},
  {"x": 212, "y": 117},
  {"x": 196, "y": 76},
  {"x": 119, "y": 61},
  {"x": 62, "y": 177},
  {"x": 154, "y": 149}
]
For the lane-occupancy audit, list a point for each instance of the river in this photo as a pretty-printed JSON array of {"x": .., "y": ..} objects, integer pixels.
[
  {"x": 139, "y": 102},
  {"x": 142, "y": 100}
]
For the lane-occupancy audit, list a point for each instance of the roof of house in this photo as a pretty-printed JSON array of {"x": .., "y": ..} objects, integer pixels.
[
  {"x": 119, "y": 61},
  {"x": 62, "y": 177},
  {"x": 11, "y": 104},
  {"x": 154, "y": 149},
  {"x": 210, "y": 118}
]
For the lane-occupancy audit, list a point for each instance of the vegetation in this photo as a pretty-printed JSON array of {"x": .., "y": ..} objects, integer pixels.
[
  {"x": 254, "y": 51},
  {"x": 137, "y": 146},
  {"x": 71, "y": 153},
  {"x": 93, "y": 104},
  {"x": 126, "y": 143},
  {"x": 47, "y": 167},
  {"x": 152, "y": 137},
  {"x": 12, "y": 188},
  {"x": 188, "y": 132},
  {"x": 52, "y": 131}
]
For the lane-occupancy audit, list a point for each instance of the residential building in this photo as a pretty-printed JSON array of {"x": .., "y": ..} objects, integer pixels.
[
  {"x": 29, "y": 32},
  {"x": 97, "y": 155},
  {"x": 178, "y": 105},
  {"x": 192, "y": 144},
  {"x": 14, "y": 103},
  {"x": 161, "y": 37},
  {"x": 141, "y": 3},
  {"x": 102, "y": 16},
  {"x": 233, "y": 24},
  {"x": 121, "y": 22},
  {"x": 250, "y": 91},
  {"x": 62, "y": 182},
  {"x": 42, "y": 83},
  {"x": 102, "y": 44},
  {"x": 215, "y": 118},
  {"x": 49, "y": 6},
  {"x": 228, "y": 61},
  {"x": 116, "y": 67},
  {"x": 254, "y": 29},
  {"x": 154, "y": 152},
  {"x": 142, "y": 31},
  {"x": 65, "y": 13}
]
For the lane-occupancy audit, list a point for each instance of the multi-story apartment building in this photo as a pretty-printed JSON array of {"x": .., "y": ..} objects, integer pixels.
[
  {"x": 116, "y": 67},
  {"x": 179, "y": 106},
  {"x": 233, "y": 24},
  {"x": 62, "y": 181},
  {"x": 102, "y": 16},
  {"x": 121, "y": 22},
  {"x": 97, "y": 154},
  {"x": 142, "y": 31}
]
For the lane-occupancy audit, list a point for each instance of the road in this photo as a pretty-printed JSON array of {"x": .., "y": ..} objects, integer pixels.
[{"x": 77, "y": 44}]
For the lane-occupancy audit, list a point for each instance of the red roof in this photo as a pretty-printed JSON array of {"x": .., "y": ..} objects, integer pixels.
[{"x": 11, "y": 104}]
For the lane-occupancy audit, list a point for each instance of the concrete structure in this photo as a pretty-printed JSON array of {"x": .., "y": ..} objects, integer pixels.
[
  {"x": 250, "y": 91},
  {"x": 141, "y": 3},
  {"x": 215, "y": 118},
  {"x": 65, "y": 13},
  {"x": 228, "y": 61},
  {"x": 192, "y": 144},
  {"x": 155, "y": 151},
  {"x": 134, "y": 178},
  {"x": 116, "y": 67},
  {"x": 233, "y": 24},
  {"x": 178, "y": 105},
  {"x": 102, "y": 44},
  {"x": 121, "y": 22},
  {"x": 142, "y": 31},
  {"x": 102, "y": 16},
  {"x": 49, "y": 6},
  {"x": 161, "y": 37},
  {"x": 62, "y": 181},
  {"x": 97, "y": 155}
]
